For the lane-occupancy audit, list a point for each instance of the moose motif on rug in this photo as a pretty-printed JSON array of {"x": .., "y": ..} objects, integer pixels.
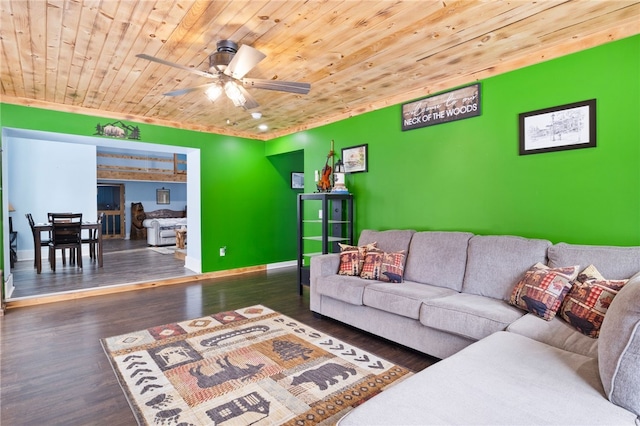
[{"x": 228, "y": 372}]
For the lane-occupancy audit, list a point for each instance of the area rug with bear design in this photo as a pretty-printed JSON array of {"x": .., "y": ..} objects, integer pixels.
[{"x": 246, "y": 366}]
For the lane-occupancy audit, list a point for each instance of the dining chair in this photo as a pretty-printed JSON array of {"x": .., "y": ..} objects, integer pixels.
[
  {"x": 72, "y": 252},
  {"x": 92, "y": 239},
  {"x": 43, "y": 242},
  {"x": 66, "y": 233},
  {"x": 13, "y": 244}
]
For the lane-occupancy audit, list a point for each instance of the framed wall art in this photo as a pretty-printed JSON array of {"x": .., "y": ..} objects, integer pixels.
[
  {"x": 355, "y": 158},
  {"x": 297, "y": 180},
  {"x": 162, "y": 196},
  {"x": 570, "y": 126}
]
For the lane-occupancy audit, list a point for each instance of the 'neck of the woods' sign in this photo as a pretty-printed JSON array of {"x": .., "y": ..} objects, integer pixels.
[{"x": 449, "y": 106}]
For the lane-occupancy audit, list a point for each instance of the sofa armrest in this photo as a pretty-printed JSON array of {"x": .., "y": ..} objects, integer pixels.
[
  {"x": 324, "y": 264},
  {"x": 321, "y": 266},
  {"x": 151, "y": 223}
]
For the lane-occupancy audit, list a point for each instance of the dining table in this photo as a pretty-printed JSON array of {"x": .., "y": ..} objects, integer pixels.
[{"x": 39, "y": 228}]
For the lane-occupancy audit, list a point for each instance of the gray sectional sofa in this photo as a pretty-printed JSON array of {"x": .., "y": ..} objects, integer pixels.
[{"x": 501, "y": 365}]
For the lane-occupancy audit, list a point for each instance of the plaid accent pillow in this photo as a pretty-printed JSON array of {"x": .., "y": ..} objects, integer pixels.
[
  {"x": 382, "y": 266},
  {"x": 542, "y": 289},
  {"x": 588, "y": 300},
  {"x": 590, "y": 273},
  {"x": 352, "y": 258}
]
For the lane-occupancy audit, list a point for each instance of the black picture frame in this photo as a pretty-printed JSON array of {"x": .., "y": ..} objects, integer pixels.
[
  {"x": 297, "y": 180},
  {"x": 356, "y": 158},
  {"x": 559, "y": 128},
  {"x": 163, "y": 196}
]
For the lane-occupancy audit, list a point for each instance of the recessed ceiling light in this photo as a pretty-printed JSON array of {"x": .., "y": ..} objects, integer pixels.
[
  {"x": 263, "y": 127},
  {"x": 257, "y": 115}
]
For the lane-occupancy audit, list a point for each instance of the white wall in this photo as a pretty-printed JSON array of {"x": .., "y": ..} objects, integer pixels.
[{"x": 45, "y": 177}]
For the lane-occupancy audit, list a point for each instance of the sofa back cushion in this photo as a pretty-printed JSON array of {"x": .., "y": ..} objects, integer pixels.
[
  {"x": 388, "y": 241},
  {"x": 614, "y": 263},
  {"x": 495, "y": 264},
  {"x": 619, "y": 348},
  {"x": 438, "y": 258}
]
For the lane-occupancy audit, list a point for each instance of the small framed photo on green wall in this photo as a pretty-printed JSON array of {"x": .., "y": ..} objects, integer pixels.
[
  {"x": 355, "y": 158},
  {"x": 297, "y": 180}
]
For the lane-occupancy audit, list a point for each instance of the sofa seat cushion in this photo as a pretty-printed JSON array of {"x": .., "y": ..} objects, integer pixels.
[
  {"x": 468, "y": 315},
  {"x": 556, "y": 332},
  {"x": 505, "y": 379},
  {"x": 342, "y": 287},
  {"x": 495, "y": 264},
  {"x": 167, "y": 233},
  {"x": 402, "y": 299},
  {"x": 438, "y": 258},
  {"x": 168, "y": 222}
]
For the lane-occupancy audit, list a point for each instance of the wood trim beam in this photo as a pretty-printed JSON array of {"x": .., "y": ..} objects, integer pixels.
[{"x": 120, "y": 288}]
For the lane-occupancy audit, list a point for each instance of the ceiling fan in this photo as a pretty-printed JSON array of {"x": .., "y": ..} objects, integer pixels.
[{"x": 227, "y": 67}]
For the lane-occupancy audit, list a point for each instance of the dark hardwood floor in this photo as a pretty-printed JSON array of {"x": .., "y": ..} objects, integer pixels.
[
  {"x": 53, "y": 369},
  {"x": 125, "y": 261}
]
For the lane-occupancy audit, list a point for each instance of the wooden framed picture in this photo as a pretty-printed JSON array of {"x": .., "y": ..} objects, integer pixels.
[
  {"x": 162, "y": 196},
  {"x": 355, "y": 158},
  {"x": 297, "y": 180},
  {"x": 570, "y": 126}
]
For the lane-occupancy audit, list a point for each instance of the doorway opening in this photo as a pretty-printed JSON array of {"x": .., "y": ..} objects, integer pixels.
[
  {"x": 13, "y": 137},
  {"x": 111, "y": 204}
]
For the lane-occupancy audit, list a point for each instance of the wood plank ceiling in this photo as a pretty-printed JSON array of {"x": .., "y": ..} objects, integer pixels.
[{"x": 79, "y": 55}]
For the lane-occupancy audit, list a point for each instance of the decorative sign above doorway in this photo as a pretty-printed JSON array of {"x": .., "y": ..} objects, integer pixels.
[
  {"x": 449, "y": 106},
  {"x": 118, "y": 129}
]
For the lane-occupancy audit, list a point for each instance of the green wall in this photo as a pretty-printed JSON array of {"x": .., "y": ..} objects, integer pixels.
[
  {"x": 246, "y": 198},
  {"x": 467, "y": 175}
]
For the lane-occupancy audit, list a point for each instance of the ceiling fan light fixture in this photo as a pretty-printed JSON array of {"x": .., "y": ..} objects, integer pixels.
[
  {"x": 234, "y": 93},
  {"x": 214, "y": 92},
  {"x": 220, "y": 59},
  {"x": 227, "y": 67}
]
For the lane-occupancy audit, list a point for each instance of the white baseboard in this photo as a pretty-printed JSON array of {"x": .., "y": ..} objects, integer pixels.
[{"x": 278, "y": 265}]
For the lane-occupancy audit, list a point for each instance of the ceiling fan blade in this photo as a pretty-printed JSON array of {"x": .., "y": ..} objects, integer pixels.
[
  {"x": 174, "y": 65},
  {"x": 243, "y": 61},
  {"x": 188, "y": 90},
  {"x": 251, "y": 102},
  {"x": 281, "y": 86}
]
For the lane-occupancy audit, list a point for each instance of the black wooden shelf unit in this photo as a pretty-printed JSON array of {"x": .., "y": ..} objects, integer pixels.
[{"x": 320, "y": 233}]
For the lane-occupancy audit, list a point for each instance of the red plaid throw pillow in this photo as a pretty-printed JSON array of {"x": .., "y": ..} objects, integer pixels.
[
  {"x": 588, "y": 300},
  {"x": 382, "y": 266},
  {"x": 352, "y": 258},
  {"x": 542, "y": 290}
]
